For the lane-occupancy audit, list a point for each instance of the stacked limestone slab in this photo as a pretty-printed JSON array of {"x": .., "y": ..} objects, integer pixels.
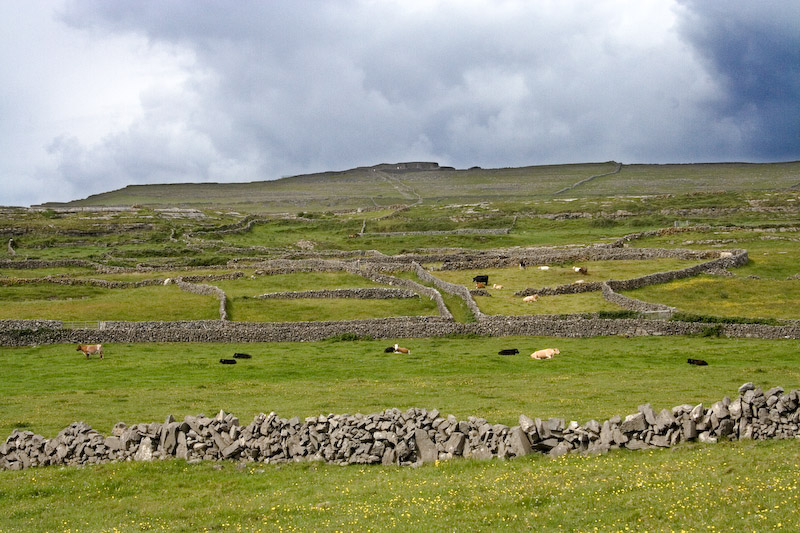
[{"x": 415, "y": 436}]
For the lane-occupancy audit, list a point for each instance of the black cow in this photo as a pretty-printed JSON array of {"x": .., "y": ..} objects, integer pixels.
[
  {"x": 228, "y": 361},
  {"x": 509, "y": 351},
  {"x": 481, "y": 279},
  {"x": 242, "y": 356},
  {"x": 390, "y": 349},
  {"x": 698, "y": 362}
]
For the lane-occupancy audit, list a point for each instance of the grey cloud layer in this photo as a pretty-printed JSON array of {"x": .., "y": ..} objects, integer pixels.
[{"x": 280, "y": 88}]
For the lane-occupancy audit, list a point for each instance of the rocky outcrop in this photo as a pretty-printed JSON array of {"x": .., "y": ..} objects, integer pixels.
[{"x": 415, "y": 436}]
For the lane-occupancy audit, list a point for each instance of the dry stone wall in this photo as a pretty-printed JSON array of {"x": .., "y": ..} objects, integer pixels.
[
  {"x": 363, "y": 294},
  {"x": 459, "y": 290},
  {"x": 410, "y": 437},
  {"x": 25, "y": 333},
  {"x": 206, "y": 290}
]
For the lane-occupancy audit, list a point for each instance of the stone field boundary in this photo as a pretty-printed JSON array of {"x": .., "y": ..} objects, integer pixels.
[
  {"x": 376, "y": 268},
  {"x": 412, "y": 437}
]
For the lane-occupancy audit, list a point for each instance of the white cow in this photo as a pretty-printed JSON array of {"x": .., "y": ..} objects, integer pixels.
[{"x": 547, "y": 353}]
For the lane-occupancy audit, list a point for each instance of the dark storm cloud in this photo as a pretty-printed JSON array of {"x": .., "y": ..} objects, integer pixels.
[{"x": 753, "y": 49}]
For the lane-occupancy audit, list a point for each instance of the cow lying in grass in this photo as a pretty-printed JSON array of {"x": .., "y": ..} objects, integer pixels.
[
  {"x": 90, "y": 349},
  {"x": 547, "y": 353},
  {"x": 228, "y": 361},
  {"x": 508, "y": 351}
]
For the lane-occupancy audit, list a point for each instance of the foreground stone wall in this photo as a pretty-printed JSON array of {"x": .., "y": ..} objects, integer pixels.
[{"x": 415, "y": 436}]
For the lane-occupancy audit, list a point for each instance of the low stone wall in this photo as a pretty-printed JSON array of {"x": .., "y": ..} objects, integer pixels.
[
  {"x": 107, "y": 284},
  {"x": 363, "y": 294},
  {"x": 462, "y": 231},
  {"x": 633, "y": 304},
  {"x": 376, "y": 276},
  {"x": 571, "y": 288},
  {"x": 609, "y": 288},
  {"x": 412, "y": 437},
  {"x": 25, "y": 333},
  {"x": 206, "y": 290},
  {"x": 546, "y": 256},
  {"x": 452, "y": 288},
  {"x": 41, "y": 263}
]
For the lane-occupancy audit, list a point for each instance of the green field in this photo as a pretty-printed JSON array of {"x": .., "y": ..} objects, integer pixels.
[
  {"x": 746, "y": 485},
  {"x": 592, "y": 378}
]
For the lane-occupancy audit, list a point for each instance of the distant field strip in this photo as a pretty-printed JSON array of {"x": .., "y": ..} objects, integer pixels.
[{"x": 590, "y": 178}]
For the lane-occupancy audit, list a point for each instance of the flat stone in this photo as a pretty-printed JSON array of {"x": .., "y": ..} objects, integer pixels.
[
  {"x": 145, "y": 450},
  {"x": 562, "y": 448},
  {"x": 455, "y": 444},
  {"x": 527, "y": 424},
  {"x": 519, "y": 442},
  {"x": 664, "y": 421},
  {"x": 426, "y": 449},
  {"x": 648, "y": 412},
  {"x": 746, "y": 387},
  {"x": 633, "y": 423},
  {"x": 636, "y": 444}
]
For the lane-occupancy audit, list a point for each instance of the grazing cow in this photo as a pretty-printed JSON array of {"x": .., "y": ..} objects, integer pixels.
[
  {"x": 496, "y": 286},
  {"x": 580, "y": 270},
  {"x": 508, "y": 351},
  {"x": 531, "y": 298},
  {"x": 400, "y": 349},
  {"x": 698, "y": 362},
  {"x": 228, "y": 361},
  {"x": 547, "y": 353},
  {"x": 90, "y": 349},
  {"x": 481, "y": 279},
  {"x": 242, "y": 356}
]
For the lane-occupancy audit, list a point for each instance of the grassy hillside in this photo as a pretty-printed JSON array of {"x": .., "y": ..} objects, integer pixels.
[{"x": 381, "y": 186}]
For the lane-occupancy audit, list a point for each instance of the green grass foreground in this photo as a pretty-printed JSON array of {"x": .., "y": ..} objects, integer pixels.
[
  {"x": 744, "y": 486},
  {"x": 45, "y": 388}
]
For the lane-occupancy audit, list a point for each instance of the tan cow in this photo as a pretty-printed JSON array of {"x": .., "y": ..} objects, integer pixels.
[
  {"x": 90, "y": 349},
  {"x": 531, "y": 298},
  {"x": 547, "y": 353},
  {"x": 496, "y": 286}
]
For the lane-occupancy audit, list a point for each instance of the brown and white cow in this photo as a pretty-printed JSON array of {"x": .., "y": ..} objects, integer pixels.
[
  {"x": 400, "y": 349},
  {"x": 90, "y": 349}
]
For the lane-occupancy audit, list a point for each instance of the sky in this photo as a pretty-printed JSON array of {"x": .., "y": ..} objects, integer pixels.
[{"x": 97, "y": 95}]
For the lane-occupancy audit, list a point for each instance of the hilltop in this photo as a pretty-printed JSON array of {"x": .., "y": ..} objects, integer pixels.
[{"x": 427, "y": 182}]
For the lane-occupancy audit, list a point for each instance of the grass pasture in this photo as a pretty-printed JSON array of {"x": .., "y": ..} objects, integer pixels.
[
  {"x": 310, "y": 309},
  {"x": 60, "y": 302},
  {"x": 748, "y": 486},
  {"x": 728, "y": 485},
  {"x": 727, "y": 297}
]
